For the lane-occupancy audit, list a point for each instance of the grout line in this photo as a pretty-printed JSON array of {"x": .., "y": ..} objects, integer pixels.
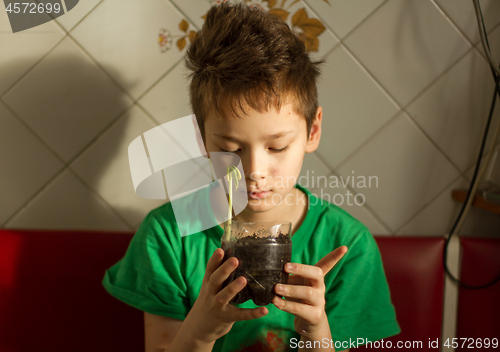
[
  {"x": 487, "y": 148},
  {"x": 35, "y": 195},
  {"x": 412, "y": 120},
  {"x": 160, "y": 78},
  {"x": 49, "y": 183},
  {"x": 339, "y": 39},
  {"x": 329, "y": 52},
  {"x": 371, "y": 76},
  {"x": 148, "y": 115},
  {"x": 85, "y": 148},
  {"x": 183, "y": 14},
  {"x": 92, "y": 59},
  {"x": 425, "y": 206},
  {"x": 436, "y": 79},
  {"x": 84, "y": 17},
  {"x": 367, "y": 140},
  {"x": 93, "y": 191},
  {"x": 113, "y": 122},
  {"x": 452, "y": 23},
  {"x": 34, "y": 133},
  {"x": 333, "y": 172},
  {"x": 32, "y": 67},
  {"x": 323, "y": 22},
  {"x": 134, "y": 104},
  {"x": 400, "y": 107},
  {"x": 377, "y": 218},
  {"x": 322, "y": 161},
  {"x": 403, "y": 109},
  {"x": 372, "y": 137},
  {"x": 66, "y": 166},
  {"x": 364, "y": 20},
  {"x": 66, "y": 34}
]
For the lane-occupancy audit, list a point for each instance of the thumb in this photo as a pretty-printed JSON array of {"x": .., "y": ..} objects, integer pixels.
[{"x": 331, "y": 259}]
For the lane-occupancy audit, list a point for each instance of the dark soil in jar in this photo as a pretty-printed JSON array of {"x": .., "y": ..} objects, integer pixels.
[{"x": 262, "y": 261}]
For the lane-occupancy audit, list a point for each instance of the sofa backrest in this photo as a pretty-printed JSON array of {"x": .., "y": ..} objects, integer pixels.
[
  {"x": 51, "y": 297},
  {"x": 478, "y": 316},
  {"x": 414, "y": 270}
]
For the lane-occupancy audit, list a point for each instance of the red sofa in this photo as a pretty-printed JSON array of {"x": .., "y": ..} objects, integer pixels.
[
  {"x": 478, "y": 316},
  {"x": 51, "y": 298}
]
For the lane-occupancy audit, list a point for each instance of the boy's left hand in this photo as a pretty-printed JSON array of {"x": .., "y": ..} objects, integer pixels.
[{"x": 305, "y": 293}]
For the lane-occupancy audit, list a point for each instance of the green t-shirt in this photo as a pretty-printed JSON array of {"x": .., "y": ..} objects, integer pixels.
[{"x": 162, "y": 273}]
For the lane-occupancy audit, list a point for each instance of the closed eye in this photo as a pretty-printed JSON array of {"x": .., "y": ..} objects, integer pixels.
[
  {"x": 279, "y": 150},
  {"x": 271, "y": 149}
]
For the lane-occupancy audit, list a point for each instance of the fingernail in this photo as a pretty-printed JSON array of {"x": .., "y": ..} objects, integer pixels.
[
  {"x": 289, "y": 266},
  {"x": 279, "y": 288}
]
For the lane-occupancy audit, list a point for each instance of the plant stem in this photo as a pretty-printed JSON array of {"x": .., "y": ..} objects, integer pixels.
[
  {"x": 231, "y": 171},
  {"x": 229, "y": 213}
]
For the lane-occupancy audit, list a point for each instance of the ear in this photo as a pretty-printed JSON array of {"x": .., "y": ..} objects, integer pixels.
[{"x": 315, "y": 134}]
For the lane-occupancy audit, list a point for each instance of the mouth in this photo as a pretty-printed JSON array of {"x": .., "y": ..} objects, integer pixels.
[{"x": 258, "y": 194}]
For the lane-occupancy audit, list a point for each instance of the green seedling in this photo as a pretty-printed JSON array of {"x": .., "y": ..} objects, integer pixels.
[{"x": 232, "y": 172}]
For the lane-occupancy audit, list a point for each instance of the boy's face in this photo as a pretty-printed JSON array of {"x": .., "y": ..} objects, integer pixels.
[{"x": 271, "y": 146}]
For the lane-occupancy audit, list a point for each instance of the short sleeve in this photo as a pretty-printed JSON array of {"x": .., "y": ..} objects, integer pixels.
[
  {"x": 149, "y": 277},
  {"x": 358, "y": 302}
]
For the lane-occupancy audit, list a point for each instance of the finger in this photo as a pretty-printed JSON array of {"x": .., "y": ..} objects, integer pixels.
[
  {"x": 238, "y": 314},
  {"x": 295, "y": 280},
  {"x": 309, "y": 272},
  {"x": 228, "y": 292},
  {"x": 221, "y": 274},
  {"x": 308, "y": 294},
  {"x": 301, "y": 310},
  {"x": 213, "y": 263},
  {"x": 331, "y": 259}
]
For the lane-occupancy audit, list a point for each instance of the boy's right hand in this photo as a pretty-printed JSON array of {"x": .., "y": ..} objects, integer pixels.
[{"x": 212, "y": 316}]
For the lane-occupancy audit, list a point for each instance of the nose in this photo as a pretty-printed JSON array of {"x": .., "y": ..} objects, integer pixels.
[{"x": 256, "y": 167}]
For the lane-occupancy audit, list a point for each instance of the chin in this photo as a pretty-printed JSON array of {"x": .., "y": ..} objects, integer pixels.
[{"x": 260, "y": 205}]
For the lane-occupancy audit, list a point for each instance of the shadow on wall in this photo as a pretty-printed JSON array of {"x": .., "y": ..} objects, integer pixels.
[{"x": 68, "y": 102}]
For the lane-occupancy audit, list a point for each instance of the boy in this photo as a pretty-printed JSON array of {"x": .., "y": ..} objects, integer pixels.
[{"x": 253, "y": 91}]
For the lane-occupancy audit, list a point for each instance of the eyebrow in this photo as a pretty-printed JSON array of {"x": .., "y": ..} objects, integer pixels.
[{"x": 272, "y": 136}]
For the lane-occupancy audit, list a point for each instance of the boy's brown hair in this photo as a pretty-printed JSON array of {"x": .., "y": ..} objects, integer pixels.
[{"x": 243, "y": 55}]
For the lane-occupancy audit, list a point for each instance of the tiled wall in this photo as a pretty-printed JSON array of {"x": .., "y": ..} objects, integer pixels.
[{"x": 405, "y": 91}]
